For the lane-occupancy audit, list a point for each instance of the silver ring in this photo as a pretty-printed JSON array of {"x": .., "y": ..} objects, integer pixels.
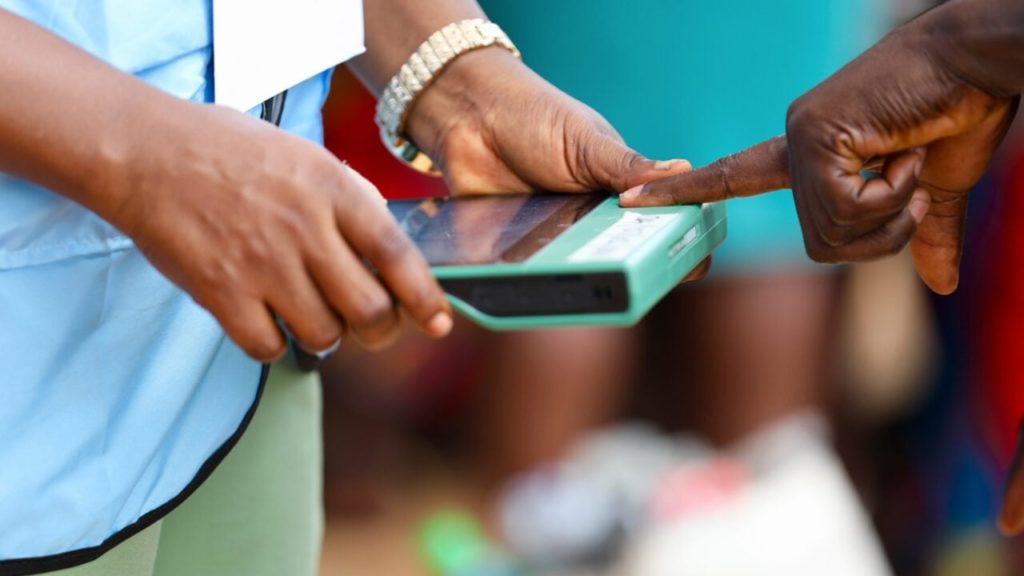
[{"x": 325, "y": 353}]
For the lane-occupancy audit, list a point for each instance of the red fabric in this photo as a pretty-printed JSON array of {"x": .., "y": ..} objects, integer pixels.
[
  {"x": 351, "y": 134},
  {"x": 1001, "y": 337}
]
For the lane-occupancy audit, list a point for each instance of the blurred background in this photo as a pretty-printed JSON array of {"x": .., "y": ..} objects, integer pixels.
[{"x": 776, "y": 418}]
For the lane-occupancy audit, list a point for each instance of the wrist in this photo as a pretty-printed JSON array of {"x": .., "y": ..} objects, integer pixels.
[
  {"x": 451, "y": 46},
  {"x": 462, "y": 95},
  {"x": 980, "y": 42},
  {"x": 134, "y": 147}
]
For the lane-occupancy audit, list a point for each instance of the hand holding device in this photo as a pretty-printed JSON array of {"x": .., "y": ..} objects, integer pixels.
[
  {"x": 251, "y": 221},
  {"x": 258, "y": 222},
  {"x": 513, "y": 262},
  {"x": 926, "y": 107},
  {"x": 490, "y": 124}
]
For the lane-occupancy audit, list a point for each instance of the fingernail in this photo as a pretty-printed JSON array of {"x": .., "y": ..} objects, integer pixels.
[
  {"x": 920, "y": 203},
  {"x": 631, "y": 194},
  {"x": 440, "y": 325},
  {"x": 667, "y": 165}
]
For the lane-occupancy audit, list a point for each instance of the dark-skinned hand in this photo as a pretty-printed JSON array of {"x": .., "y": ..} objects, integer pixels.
[
  {"x": 492, "y": 125},
  {"x": 886, "y": 151},
  {"x": 260, "y": 223},
  {"x": 899, "y": 109},
  {"x": 257, "y": 225}
]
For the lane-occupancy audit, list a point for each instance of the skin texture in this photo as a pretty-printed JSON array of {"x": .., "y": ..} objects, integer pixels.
[
  {"x": 254, "y": 223},
  {"x": 489, "y": 122},
  {"x": 251, "y": 221},
  {"x": 925, "y": 111}
]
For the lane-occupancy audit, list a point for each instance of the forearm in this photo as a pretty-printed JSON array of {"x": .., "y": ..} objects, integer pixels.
[
  {"x": 395, "y": 28},
  {"x": 981, "y": 41},
  {"x": 69, "y": 121}
]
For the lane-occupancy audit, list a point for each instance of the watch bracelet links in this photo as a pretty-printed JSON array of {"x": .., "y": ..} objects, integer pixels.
[{"x": 420, "y": 71}]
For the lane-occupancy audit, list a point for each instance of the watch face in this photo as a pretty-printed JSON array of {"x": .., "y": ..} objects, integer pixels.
[{"x": 489, "y": 229}]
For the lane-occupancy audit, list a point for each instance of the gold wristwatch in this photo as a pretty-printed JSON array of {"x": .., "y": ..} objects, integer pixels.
[{"x": 419, "y": 72}]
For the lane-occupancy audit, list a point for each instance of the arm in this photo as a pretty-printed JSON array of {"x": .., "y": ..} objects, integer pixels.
[
  {"x": 983, "y": 42},
  {"x": 489, "y": 122},
  {"x": 70, "y": 122},
  {"x": 926, "y": 109},
  {"x": 395, "y": 28},
  {"x": 254, "y": 223}
]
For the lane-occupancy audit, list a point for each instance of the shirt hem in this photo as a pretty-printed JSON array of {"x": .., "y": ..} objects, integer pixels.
[{"x": 73, "y": 558}]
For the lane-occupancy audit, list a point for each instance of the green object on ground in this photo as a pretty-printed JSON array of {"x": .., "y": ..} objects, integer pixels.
[{"x": 452, "y": 543}]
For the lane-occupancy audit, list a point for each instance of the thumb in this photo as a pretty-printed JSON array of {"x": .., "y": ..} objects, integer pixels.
[
  {"x": 611, "y": 165},
  {"x": 938, "y": 243},
  {"x": 953, "y": 167},
  {"x": 756, "y": 170}
]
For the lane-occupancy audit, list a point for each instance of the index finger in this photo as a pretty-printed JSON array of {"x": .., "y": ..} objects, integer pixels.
[
  {"x": 373, "y": 232},
  {"x": 757, "y": 170}
]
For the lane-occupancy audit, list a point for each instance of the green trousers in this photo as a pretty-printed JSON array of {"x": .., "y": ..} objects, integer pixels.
[{"x": 260, "y": 512}]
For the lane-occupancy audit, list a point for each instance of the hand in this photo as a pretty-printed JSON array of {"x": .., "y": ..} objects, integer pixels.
[
  {"x": 905, "y": 107},
  {"x": 252, "y": 222},
  {"x": 256, "y": 223},
  {"x": 699, "y": 272},
  {"x": 492, "y": 125}
]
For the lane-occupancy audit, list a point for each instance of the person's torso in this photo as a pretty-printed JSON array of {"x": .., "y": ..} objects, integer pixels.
[{"x": 118, "y": 394}]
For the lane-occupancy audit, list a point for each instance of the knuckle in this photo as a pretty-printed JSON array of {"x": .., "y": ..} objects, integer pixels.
[
  {"x": 263, "y": 347},
  {"x": 378, "y": 338},
  {"x": 424, "y": 301},
  {"x": 390, "y": 248},
  {"x": 629, "y": 162},
  {"x": 323, "y": 172},
  {"x": 843, "y": 208},
  {"x": 257, "y": 248},
  {"x": 834, "y": 236},
  {"x": 841, "y": 140},
  {"x": 798, "y": 117},
  {"x": 374, "y": 309},
  {"x": 320, "y": 338},
  {"x": 723, "y": 170},
  {"x": 620, "y": 171},
  {"x": 298, "y": 227},
  {"x": 214, "y": 276},
  {"x": 805, "y": 121},
  {"x": 819, "y": 252},
  {"x": 827, "y": 230}
]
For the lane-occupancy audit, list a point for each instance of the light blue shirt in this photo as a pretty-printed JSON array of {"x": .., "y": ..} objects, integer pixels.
[{"x": 118, "y": 393}]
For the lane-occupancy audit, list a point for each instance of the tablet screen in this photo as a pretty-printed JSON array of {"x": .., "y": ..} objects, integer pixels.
[{"x": 489, "y": 229}]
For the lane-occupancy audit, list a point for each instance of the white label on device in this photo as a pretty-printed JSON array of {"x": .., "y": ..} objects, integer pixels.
[{"x": 623, "y": 237}]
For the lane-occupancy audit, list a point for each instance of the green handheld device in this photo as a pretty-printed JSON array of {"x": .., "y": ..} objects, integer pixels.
[{"x": 517, "y": 262}]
